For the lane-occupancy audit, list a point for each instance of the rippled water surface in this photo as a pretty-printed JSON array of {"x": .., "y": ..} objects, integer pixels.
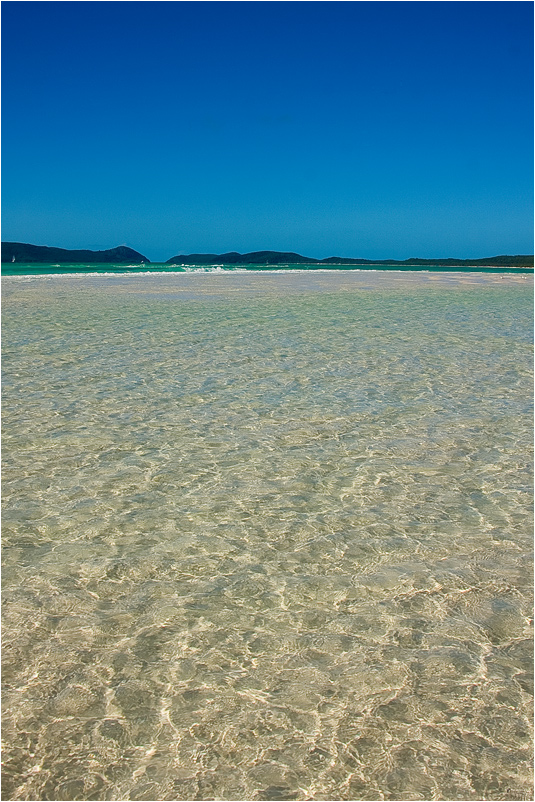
[{"x": 267, "y": 537}]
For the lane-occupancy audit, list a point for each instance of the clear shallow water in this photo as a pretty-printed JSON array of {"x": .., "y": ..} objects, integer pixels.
[{"x": 267, "y": 537}]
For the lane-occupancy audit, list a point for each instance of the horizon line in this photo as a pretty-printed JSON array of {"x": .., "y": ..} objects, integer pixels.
[{"x": 362, "y": 260}]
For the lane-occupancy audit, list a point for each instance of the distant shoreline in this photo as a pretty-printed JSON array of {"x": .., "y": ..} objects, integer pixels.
[{"x": 19, "y": 255}]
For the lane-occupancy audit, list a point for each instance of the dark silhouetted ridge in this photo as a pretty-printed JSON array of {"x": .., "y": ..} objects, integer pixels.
[
  {"x": 282, "y": 258},
  {"x": 234, "y": 258},
  {"x": 40, "y": 254},
  {"x": 25, "y": 253}
]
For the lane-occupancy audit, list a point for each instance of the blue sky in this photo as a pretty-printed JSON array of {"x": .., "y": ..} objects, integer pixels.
[{"x": 365, "y": 129}]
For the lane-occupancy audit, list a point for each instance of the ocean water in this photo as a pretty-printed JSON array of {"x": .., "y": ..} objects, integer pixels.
[
  {"x": 267, "y": 536},
  {"x": 38, "y": 269}
]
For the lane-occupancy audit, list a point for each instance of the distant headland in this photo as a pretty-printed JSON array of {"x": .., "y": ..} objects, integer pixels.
[
  {"x": 277, "y": 258},
  {"x": 40, "y": 254}
]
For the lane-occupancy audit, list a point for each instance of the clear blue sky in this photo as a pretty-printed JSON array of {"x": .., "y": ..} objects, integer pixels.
[{"x": 365, "y": 129}]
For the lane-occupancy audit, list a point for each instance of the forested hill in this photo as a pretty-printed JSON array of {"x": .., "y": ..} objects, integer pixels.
[
  {"x": 277, "y": 257},
  {"x": 233, "y": 258},
  {"x": 21, "y": 252},
  {"x": 24, "y": 253}
]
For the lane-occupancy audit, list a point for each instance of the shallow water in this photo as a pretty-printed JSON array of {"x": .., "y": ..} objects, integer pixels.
[{"x": 267, "y": 537}]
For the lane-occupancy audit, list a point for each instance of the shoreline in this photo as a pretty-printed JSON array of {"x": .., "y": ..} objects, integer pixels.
[
  {"x": 272, "y": 282},
  {"x": 36, "y": 270}
]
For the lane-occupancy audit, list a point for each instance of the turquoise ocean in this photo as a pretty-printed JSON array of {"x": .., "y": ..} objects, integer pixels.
[{"x": 267, "y": 535}]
